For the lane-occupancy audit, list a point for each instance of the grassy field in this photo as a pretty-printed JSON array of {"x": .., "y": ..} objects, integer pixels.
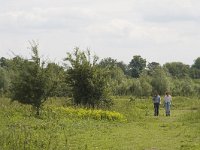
[{"x": 59, "y": 128}]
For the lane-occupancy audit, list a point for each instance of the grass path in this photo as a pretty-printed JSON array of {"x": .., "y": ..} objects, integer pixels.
[{"x": 157, "y": 133}]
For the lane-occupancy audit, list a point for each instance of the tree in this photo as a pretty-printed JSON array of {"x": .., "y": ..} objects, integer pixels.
[
  {"x": 196, "y": 63},
  {"x": 125, "y": 87},
  {"x": 108, "y": 62},
  {"x": 195, "y": 69},
  {"x": 3, "y": 62},
  {"x": 184, "y": 87},
  {"x": 187, "y": 87},
  {"x": 87, "y": 80},
  {"x": 176, "y": 87},
  {"x": 197, "y": 88},
  {"x": 177, "y": 69},
  {"x": 123, "y": 67},
  {"x": 145, "y": 84},
  {"x": 194, "y": 73},
  {"x": 58, "y": 73},
  {"x": 113, "y": 63},
  {"x": 33, "y": 84},
  {"x": 116, "y": 77},
  {"x": 160, "y": 81},
  {"x": 4, "y": 81},
  {"x": 151, "y": 67},
  {"x": 137, "y": 88},
  {"x": 136, "y": 66}
]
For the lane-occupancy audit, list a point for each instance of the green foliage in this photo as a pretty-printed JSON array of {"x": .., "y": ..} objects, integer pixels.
[
  {"x": 117, "y": 81},
  {"x": 197, "y": 89},
  {"x": 19, "y": 129},
  {"x": 129, "y": 86},
  {"x": 196, "y": 63},
  {"x": 141, "y": 88},
  {"x": 137, "y": 88},
  {"x": 151, "y": 67},
  {"x": 8, "y": 69},
  {"x": 195, "y": 73},
  {"x": 177, "y": 69},
  {"x": 33, "y": 83},
  {"x": 4, "y": 81},
  {"x": 160, "y": 81},
  {"x": 93, "y": 79},
  {"x": 113, "y": 63},
  {"x": 58, "y": 74},
  {"x": 176, "y": 88},
  {"x": 4, "y": 63},
  {"x": 145, "y": 81},
  {"x": 87, "y": 80},
  {"x": 185, "y": 87},
  {"x": 108, "y": 62},
  {"x": 146, "y": 88},
  {"x": 123, "y": 88},
  {"x": 136, "y": 66}
]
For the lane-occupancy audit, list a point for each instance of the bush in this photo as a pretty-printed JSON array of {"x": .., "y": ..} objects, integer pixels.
[{"x": 87, "y": 81}]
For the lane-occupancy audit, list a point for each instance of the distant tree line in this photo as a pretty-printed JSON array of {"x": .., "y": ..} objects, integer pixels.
[{"x": 91, "y": 82}]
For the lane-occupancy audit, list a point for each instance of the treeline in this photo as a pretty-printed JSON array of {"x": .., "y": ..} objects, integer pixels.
[
  {"x": 136, "y": 78},
  {"x": 141, "y": 79},
  {"x": 90, "y": 80}
]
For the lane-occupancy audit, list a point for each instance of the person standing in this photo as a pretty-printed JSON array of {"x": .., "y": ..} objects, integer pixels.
[
  {"x": 156, "y": 102},
  {"x": 167, "y": 103}
]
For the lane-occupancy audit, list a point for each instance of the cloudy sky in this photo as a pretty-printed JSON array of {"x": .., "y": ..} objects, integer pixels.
[{"x": 158, "y": 30}]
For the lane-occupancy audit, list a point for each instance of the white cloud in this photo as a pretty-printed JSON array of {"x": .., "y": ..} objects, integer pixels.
[
  {"x": 43, "y": 19},
  {"x": 119, "y": 29},
  {"x": 169, "y": 10}
]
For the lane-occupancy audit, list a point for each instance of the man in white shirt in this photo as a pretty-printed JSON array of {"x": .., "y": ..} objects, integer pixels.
[{"x": 167, "y": 103}]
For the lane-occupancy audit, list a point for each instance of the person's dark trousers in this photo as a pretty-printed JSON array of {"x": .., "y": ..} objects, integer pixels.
[{"x": 156, "y": 109}]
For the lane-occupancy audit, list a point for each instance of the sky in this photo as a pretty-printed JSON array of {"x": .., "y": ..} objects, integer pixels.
[{"x": 158, "y": 30}]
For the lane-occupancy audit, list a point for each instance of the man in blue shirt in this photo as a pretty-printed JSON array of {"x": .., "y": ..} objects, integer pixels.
[{"x": 156, "y": 101}]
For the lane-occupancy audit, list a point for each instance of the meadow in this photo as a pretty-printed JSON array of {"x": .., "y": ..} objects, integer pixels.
[{"x": 128, "y": 125}]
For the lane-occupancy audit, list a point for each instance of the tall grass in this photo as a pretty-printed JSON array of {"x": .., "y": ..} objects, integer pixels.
[{"x": 62, "y": 127}]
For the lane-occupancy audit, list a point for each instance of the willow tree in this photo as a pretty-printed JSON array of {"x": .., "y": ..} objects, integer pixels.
[{"x": 160, "y": 81}]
